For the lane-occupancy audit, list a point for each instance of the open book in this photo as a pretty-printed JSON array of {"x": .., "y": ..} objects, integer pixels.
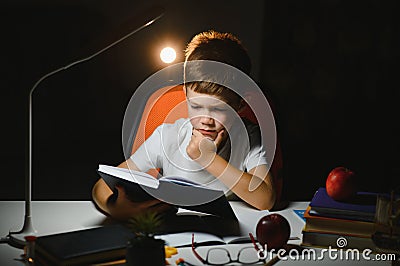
[
  {"x": 177, "y": 191},
  {"x": 184, "y": 239},
  {"x": 248, "y": 218}
]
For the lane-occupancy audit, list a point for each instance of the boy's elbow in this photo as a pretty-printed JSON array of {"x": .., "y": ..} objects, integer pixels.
[{"x": 268, "y": 203}]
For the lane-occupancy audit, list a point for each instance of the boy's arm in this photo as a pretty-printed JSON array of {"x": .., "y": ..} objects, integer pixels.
[
  {"x": 255, "y": 186},
  {"x": 119, "y": 206}
]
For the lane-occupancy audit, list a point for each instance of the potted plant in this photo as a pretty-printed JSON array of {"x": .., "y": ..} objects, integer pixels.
[{"x": 144, "y": 249}]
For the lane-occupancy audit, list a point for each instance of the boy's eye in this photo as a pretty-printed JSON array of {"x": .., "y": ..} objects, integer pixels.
[
  {"x": 219, "y": 109},
  {"x": 214, "y": 109}
]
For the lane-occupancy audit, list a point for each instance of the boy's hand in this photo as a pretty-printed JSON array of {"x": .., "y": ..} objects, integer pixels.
[
  {"x": 123, "y": 208},
  {"x": 203, "y": 149}
]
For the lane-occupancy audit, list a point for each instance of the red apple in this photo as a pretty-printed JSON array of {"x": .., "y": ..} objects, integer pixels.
[
  {"x": 341, "y": 184},
  {"x": 273, "y": 230}
]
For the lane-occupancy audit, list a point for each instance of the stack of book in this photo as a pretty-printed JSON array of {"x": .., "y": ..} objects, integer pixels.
[{"x": 340, "y": 224}]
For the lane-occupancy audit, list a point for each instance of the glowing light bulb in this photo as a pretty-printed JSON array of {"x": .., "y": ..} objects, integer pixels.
[{"x": 168, "y": 55}]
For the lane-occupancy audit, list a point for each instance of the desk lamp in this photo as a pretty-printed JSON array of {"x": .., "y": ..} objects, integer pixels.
[{"x": 17, "y": 239}]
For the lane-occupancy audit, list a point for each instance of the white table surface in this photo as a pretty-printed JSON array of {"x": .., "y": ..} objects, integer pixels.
[{"x": 61, "y": 216}]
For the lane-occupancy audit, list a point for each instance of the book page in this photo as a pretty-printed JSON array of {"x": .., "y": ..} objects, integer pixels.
[
  {"x": 248, "y": 218},
  {"x": 130, "y": 175},
  {"x": 185, "y": 239},
  {"x": 180, "y": 181},
  {"x": 237, "y": 239},
  {"x": 182, "y": 211}
]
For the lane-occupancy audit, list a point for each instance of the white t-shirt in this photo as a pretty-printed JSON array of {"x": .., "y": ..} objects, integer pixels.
[{"x": 166, "y": 149}]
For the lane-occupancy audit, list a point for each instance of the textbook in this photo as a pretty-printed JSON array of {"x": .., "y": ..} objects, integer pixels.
[
  {"x": 141, "y": 186},
  {"x": 83, "y": 247},
  {"x": 361, "y": 208},
  {"x": 337, "y": 226}
]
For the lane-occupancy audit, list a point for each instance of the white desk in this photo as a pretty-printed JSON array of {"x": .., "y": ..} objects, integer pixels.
[
  {"x": 48, "y": 218},
  {"x": 60, "y": 216}
]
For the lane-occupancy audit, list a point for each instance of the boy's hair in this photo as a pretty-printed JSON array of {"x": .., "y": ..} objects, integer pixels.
[{"x": 222, "y": 47}]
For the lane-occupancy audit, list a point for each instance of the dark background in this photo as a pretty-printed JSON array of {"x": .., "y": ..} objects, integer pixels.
[{"x": 329, "y": 66}]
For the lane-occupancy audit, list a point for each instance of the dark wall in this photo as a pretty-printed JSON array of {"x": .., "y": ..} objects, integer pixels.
[
  {"x": 329, "y": 67},
  {"x": 332, "y": 69},
  {"x": 78, "y": 113}
]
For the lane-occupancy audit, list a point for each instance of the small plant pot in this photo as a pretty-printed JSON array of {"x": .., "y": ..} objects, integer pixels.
[{"x": 145, "y": 251}]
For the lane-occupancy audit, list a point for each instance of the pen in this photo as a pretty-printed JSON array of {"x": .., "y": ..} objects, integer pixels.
[{"x": 272, "y": 261}]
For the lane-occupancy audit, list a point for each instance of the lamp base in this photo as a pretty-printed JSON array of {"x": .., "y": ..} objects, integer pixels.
[{"x": 17, "y": 239}]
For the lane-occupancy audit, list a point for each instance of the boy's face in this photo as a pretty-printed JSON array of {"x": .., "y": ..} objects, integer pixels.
[{"x": 208, "y": 113}]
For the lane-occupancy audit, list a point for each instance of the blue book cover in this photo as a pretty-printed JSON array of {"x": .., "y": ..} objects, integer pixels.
[
  {"x": 300, "y": 213},
  {"x": 362, "y": 206}
]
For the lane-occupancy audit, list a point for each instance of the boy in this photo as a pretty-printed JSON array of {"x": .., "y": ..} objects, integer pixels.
[{"x": 209, "y": 149}]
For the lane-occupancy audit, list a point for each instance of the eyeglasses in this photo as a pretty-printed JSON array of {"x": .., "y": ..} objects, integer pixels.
[{"x": 221, "y": 256}]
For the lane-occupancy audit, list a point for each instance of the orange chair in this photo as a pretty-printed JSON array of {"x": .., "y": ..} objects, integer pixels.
[{"x": 168, "y": 104}]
